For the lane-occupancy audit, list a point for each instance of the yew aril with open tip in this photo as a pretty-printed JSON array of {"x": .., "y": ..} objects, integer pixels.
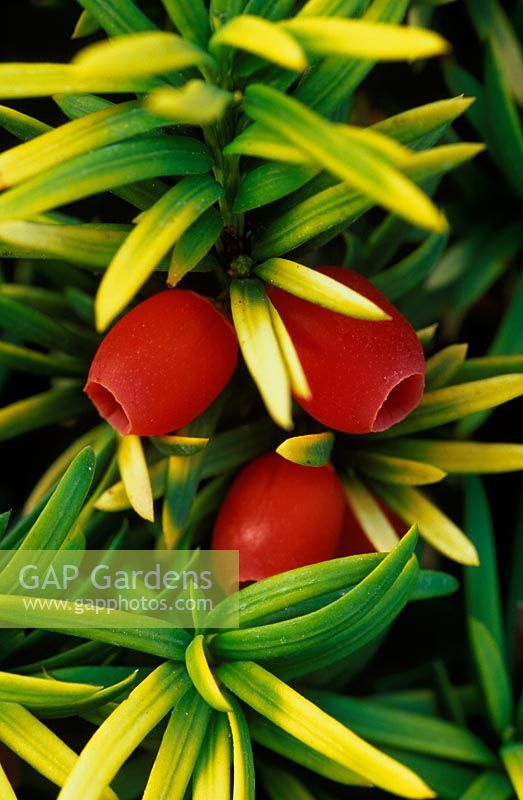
[
  {"x": 364, "y": 376},
  {"x": 162, "y": 364}
]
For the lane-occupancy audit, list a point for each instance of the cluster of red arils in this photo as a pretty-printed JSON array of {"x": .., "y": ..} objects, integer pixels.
[{"x": 166, "y": 360}]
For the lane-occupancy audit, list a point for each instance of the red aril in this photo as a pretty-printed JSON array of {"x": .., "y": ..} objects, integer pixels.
[
  {"x": 162, "y": 364},
  {"x": 279, "y": 516},
  {"x": 364, "y": 376}
]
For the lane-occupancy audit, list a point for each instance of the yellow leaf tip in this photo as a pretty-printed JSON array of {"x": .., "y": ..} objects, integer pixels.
[
  {"x": 102, "y": 316},
  {"x": 468, "y": 556},
  {"x": 465, "y": 102},
  {"x": 304, "y": 393},
  {"x": 474, "y": 559},
  {"x": 374, "y": 313},
  {"x": 300, "y": 63},
  {"x": 283, "y": 421},
  {"x": 439, "y": 46},
  {"x": 101, "y": 322},
  {"x": 477, "y": 147},
  {"x": 414, "y": 787},
  {"x": 438, "y": 223},
  {"x": 146, "y": 513}
]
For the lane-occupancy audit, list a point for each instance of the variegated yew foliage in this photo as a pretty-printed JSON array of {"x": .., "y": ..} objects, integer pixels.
[
  {"x": 485, "y": 216},
  {"x": 289, "y": 625},
  {"x": 236, "y": 159}
]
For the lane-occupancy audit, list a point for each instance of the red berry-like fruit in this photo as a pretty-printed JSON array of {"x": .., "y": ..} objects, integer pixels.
[
  {"x": 354, "y": 540},
  {"x": 162, "y": 364},
  {"x": 364, "y": 376},
  {"x": 279, "y": 516}
]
